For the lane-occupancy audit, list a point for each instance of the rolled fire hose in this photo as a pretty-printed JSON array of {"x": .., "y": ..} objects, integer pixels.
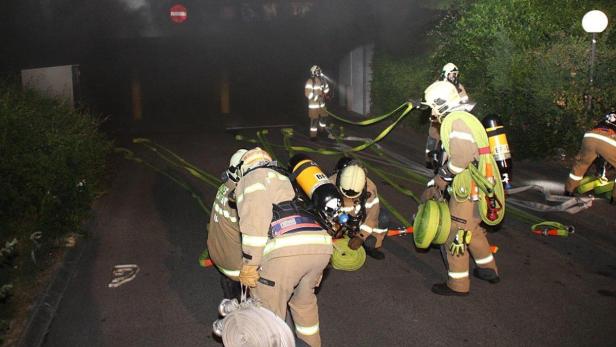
[
  {"x": 432, "y": 224},
  {"x": 346, "y": 259},
  {"x": 250, "y": 324},
  {"x": 487, "y": 190}
]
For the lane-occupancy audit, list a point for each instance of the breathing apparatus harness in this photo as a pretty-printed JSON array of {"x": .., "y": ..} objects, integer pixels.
[{"x": 351, "y": 227}]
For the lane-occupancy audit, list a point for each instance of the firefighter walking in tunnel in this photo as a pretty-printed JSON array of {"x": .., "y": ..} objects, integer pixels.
[
  {"x": 449, "y": 73},
  {"x": 599, "y": 141},
  {"x": 361, "y": 203},
  {"x": 284, "y": 249},
  {"x": 316, "y": 90},
  {"x": 223, "y": 237},
  {"x": 466, "y": 234}
]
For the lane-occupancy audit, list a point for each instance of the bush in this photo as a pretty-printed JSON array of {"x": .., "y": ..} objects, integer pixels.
[{"x": 52, "y": 168}]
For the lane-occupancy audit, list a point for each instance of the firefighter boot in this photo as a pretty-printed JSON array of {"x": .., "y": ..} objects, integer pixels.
[
  {"x": 371, "y": 250},
  {"x": 488, "y": 275},
  {"x": 443, "y": 289}
]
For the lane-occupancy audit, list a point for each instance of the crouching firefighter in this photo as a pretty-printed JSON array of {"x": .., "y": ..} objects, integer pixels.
[
  {"x": 361, "y": 203},
  {"x": 316, "y": 89},
  {"x": 600, "y": 141},
  {"x": 284, "y": 249},
  {"x": 223, "y": 238},
  {"x": 472, "y": 179}
]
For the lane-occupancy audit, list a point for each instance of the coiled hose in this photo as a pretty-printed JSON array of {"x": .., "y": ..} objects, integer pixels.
[
  {"x": 346, "y": 259},
  {"x": 254, "y": 326},
  {"x": 462, "y": 182}
]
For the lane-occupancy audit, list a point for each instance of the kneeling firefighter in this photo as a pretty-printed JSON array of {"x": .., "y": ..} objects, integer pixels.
[
  {"x": 223, "y": 238},
  {"x": 471, "y": 177},
  {"x": 361, "y": 203},
  {"x": 284, "y": 249},
  {"x": 600, "y": 141}
]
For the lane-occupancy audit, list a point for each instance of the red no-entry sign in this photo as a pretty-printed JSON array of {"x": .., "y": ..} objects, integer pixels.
[{"x": 178, "y": 13}]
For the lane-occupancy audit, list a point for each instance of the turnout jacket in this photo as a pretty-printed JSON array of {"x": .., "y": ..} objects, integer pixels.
[
  {"x": 256, "y": 194},
  {"x": 223, "y": 238}
]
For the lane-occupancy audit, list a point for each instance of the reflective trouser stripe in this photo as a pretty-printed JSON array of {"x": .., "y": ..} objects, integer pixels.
[
  {"x": 315, "y": 106},
  {"x": 296, "y": 240},
  {"x": 254, "y": 241},
  {"x": 574, "y": 177},
  {"x": 229, "y": 273},
  {"x": 365, "y": 228},
  {"x": 378, "y": 231},
  {"x": 458, "y": 275},
  {"x": 311, "y": 330},
  {"x": 602, "y": 138},
  {"x": 485, "y": 260}
]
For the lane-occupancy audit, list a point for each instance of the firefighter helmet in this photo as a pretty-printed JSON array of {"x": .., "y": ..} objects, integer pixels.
[
  {"x": 254, "y": 158},
  {"x": 610, "y": 117},
  {"x": 351, "y": 178},
  {"x": 450, "y": 73},
  {"x": 443, "y": 98},
  {"x": 315, "y": 71},
  {"x": 234, "y": 165}
]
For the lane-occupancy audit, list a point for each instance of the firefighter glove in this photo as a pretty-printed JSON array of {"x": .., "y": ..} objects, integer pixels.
[
  {"x": 459, "y": 243},
  {"x": 355, "y": 242},
  {"x": 249, "y": 275}
]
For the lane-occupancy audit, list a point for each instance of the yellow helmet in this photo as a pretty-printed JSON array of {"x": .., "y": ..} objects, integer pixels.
[
  {"x": 234, "y": 165},
  {"x": 442, "y": 97},
  {"x": 351, "y": 180},
  {"x": 253, "y": 158},
  {"x": 315, "y": 70}
]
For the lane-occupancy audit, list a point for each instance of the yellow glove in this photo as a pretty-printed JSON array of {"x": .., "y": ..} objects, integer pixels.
[
  {"x": 458, "y": 246},
  {"x": 249, "y": 275}
]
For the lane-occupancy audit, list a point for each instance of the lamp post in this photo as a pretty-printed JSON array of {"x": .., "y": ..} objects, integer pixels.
[{"x": 593, "y": 22}]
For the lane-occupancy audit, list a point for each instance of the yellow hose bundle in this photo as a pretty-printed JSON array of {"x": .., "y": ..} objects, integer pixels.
[
  {"x": 489, "y": 190},
  {"x": 346, "y": 259}
]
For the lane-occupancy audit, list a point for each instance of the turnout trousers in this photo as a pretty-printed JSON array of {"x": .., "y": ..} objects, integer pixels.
[
  {"x": 291, "y": 280},
  {"x": 465, "y": 215}
]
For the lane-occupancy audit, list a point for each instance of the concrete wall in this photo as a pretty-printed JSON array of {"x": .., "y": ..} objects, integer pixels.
[
  {"x": 354, "y": 78},
  {"x": 56, "y": 82}
]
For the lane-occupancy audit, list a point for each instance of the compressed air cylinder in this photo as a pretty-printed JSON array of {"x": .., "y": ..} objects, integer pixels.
[
  {"x": 499, "y": 147},
  {"x": 311, "y": 179}
]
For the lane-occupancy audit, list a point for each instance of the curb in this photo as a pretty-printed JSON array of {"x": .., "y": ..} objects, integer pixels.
[{"x": 47, "y": 305}]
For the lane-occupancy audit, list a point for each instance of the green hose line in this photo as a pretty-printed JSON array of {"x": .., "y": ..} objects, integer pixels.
[
  {"x": 266, "y": 144},
  {"x": 287, "y": 133},
  {"x": 346, "y": 259},
  {"x": 371, "y": 120},
  {"x": 177, "y": 161},
  {"x": 129, "y": 155},
  {"x": 603, "y": 187},
  {"x": 394, "y": 211},
  {"x": 404, "y": 191},
  {"x": 587, "y": 184},
  {"x": 552, "y": 228},
  {"x": 462, "y": 182},
  {"x": 245, "y": 139}
]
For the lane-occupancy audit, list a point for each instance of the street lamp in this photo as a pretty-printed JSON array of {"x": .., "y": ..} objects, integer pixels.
[{"x": 593, "y": 22}]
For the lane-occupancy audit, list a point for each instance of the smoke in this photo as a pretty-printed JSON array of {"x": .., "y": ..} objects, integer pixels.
[{"x": 135, "y": 4}]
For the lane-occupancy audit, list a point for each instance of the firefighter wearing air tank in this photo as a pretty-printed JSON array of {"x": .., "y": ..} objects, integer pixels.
[
  {"x": 223, "y": 238},
  {"x": 471, "y": 177},
  {"x": 600, "y": 141},
  {"x": 361, "y": 203},
  {"x": 449, "y": 73},
  {"x": 316, "y": 90},
  {"x": 284, "y": 249}
]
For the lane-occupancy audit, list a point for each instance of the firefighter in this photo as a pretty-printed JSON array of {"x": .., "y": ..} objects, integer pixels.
[
  {"x": 449, "y": 73},
  {"x": 223, "y": 238},
  {"x": 284, "y": 249},
  {"x": 600, "y": 141},
  {"x": 316, "y": 90},
  {"x": 361, "y": 203},
  {"x": 466, "y": 232}
]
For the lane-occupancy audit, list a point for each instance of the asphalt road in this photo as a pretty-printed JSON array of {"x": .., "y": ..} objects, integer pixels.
[{"x": 554, "y": 291}]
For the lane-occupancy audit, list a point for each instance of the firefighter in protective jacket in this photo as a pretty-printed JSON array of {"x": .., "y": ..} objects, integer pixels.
[
  {"x": 600, "y": 141},
  {"x": 466, "y": 232},
  {"x": 316, "y": 89},
  {"x": 284, "y": 249},
  {"x": 449, "y": 73},
  {"x": 223, "y": 238},
  {"x": 361, "y": 203}
]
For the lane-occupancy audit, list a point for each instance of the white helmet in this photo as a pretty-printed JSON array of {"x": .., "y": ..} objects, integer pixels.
[
  {"x": 234, "y": 165},
  {"x": 351, "y": 180},
  {"x": 315, "y": 70},
  {"x": 443, "y": 98},
  {"x": 450, "y": 73},
  {"x": 254, "y": 158}
]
